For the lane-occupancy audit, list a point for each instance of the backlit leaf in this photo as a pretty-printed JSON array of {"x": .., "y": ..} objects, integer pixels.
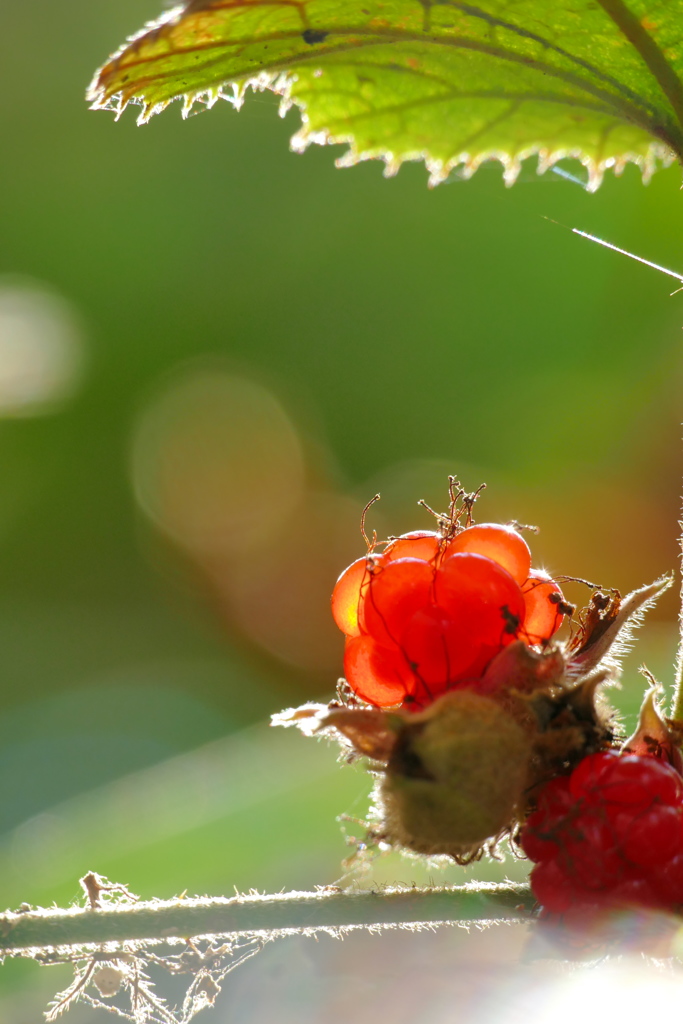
[{"x": 451, "y": 83}]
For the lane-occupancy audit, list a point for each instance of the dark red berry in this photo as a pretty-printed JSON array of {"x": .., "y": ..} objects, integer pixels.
[
  {"x": 611, "y": 834},
  {"x": 667, "y": 878}
]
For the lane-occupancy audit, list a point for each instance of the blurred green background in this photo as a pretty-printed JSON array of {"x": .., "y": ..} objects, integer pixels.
[{"x": 214, "y": 353}]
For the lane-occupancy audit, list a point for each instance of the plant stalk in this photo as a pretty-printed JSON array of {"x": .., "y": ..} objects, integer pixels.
[
  {"x": 677, "y": 703},
  {"x": 295, "y": 912}
]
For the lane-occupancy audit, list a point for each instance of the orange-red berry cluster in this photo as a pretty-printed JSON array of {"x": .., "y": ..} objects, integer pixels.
[{"x": 428, "y": 614}]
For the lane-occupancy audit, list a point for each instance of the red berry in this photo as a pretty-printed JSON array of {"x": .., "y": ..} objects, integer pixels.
[
  {"x": 543, "y": 617},
  {"x": 500, "y": 543},
  {"x": 616, "y": 842},
  {"x": 442, "y": 610},
  {"x": 627, "y": 779},
  {"x": 448, "y": 623}
]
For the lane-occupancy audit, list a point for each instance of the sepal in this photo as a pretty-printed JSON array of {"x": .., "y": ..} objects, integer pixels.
[
  {"x": 608, "y": 625},
  {"x": 655, "y": 736}
]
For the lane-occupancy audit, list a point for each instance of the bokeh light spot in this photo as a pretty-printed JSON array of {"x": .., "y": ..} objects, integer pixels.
[
  {"x": 217, "y": 463},
  {"x": 41, "y": 349}
]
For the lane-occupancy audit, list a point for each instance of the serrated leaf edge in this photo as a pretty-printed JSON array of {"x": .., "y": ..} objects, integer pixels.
[{"x": 657, "y": 154}]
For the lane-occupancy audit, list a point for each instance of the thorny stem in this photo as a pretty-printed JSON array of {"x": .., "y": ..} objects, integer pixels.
[{"x": 328, "y": 909}]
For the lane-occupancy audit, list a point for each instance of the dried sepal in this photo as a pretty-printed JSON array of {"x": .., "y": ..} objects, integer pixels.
[
  {"x": 654, "y": 735},
  {"x": 566, "y": 715},
  {"x": 305, "y": 718},
  {"x": 363, "y": 731},
  {"x": 570, "y": 724},
  {"x": 608, "y": 625},
  {"x": 370, "y": 732}
]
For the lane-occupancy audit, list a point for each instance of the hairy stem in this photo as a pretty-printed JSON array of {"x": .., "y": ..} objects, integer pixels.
[
  {"x": 303, "y": 912},
  {"x": 677, "y": 703}
]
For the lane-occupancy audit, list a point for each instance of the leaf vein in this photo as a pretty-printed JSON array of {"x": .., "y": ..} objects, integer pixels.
[
  {"x": 647, "y": 47},
  {"x": 515, "y": 102},
  {"x": 559, "y": 50},
  {"x": 384, "y": 37}
]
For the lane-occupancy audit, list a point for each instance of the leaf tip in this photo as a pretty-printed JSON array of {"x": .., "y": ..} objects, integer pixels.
[
  {"x": 511, "y": 168},
  {"x": 392, "y": 165}
]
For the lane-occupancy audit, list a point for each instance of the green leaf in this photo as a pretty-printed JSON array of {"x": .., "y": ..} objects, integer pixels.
[{"x": 449, "y": 83}]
